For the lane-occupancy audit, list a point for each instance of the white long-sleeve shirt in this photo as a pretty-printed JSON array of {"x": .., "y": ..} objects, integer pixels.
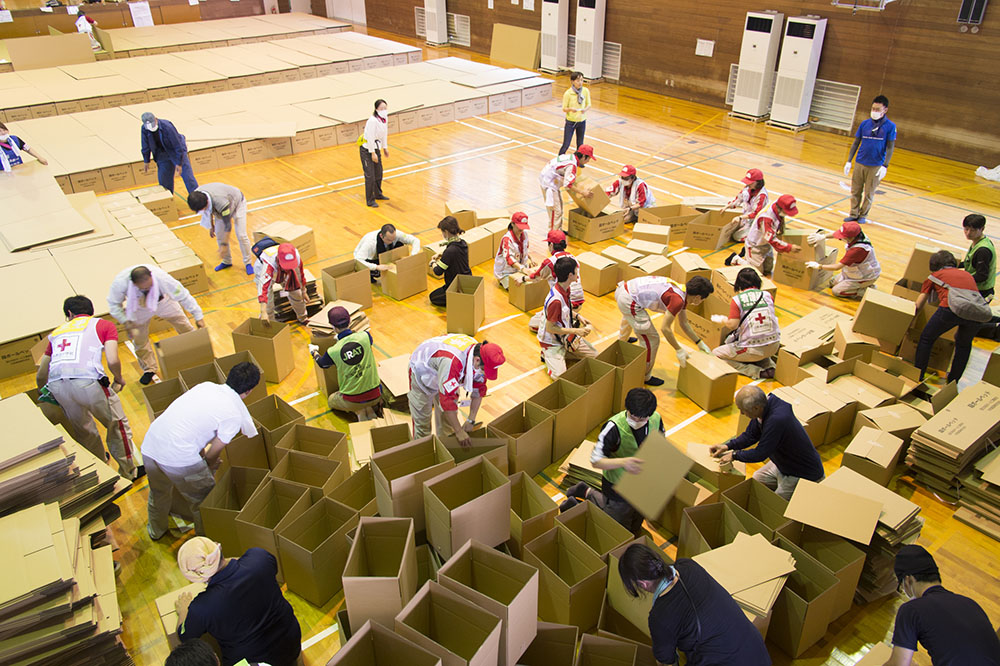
[
  {"x": 376, "y": 130},
  {"x": 168, "y": 286},
  {"x": 366, "y": 253}
]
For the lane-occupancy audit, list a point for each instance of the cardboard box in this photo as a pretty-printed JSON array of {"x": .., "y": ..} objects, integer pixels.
[
  {"x": 166, "y": 608},
  {"x": 450, "y": 626},
  {"x": 375, "y": 644},
  {"x": 608, "y": 224},
  {"x": 691, "y": 491},
  {"x": 873, "y": 453},
  {"x": 226, "y": 363},
  {"x": 899, "y": 420},
  {"x": 724, "y": 283},
  {"x": 314, "y": 549},
  {"x": 675, "y": 216},
  {"x": 654, "y": 233},
  {"x": 849, "y": 344},
  {"x": 188, "y": 270},
  {"x": 814, "y": 417},
  {"x": 274, "y": 418},
  {"x": 710, "y": 230},
  {"x": 526, "y": 295},
  {"x": 464, "y": 212},
  {"x": 612, "y": 625},
  {"x": 469, "y": 501},
  {"x": 704, "y": 528},
  {"x": 329, "y": 444},
  {"x": 501, "y": 585},
  {"x": 571, "y": 578},
  {"x": 598, "y": 378},
  {"x": 700, "y": 319},
  {"x": 595, "y": 203},
  {"x": 299, "y": 235},
  {"x": 598, "y": 275},
  {"x": 629, "y": 362},
  {"x": 271, "y": 346},
  {"x": 407, "y": 275},
  {"x": 941, "y": 353},
  {"x": 707, "y": 381},
  {"x": 310, "y": 471},
  {"x": 399, "y": 475},
  {"x": 493, "y": 449},
  {"x": 686, "y": 265},
  {"x": 621, "y": 256},
  {"x": 883, "y": 316},
  {"x": 554, "y": 645},
  {"x": 480, "y": 242},
  {"x": 497, "y": 229},
  {"x": 792, "y": 270},
  {"x": 652, "y": 264},
  {"x": 595, "y": 527},
  {"x": 380, "y": 576},
  {"x": 344, "y": 282},
  {"x": 158, "y": 396},
  {"x": 752, "y": 500},
  {"x": 275, "y": 504},
  {"x": 918, "y": 265},
  {"x": 563, "y": 400},
  {"x": 161, "y": 204},
  {"x": 597, "y": 651},
  {"x": 15, "y": 356},
  {"x": 466, "y": 304},
  {"x": 842, "y": 407},
  {"x": 358, "y": 492},
  {"x": 633, "y": 610},
  {"x": 528, "y": 431},
  {"x": 648, "y": 248},
  {"x": 191, "y": 377},
  {"x": 219, "y": 509},
  {"x": 245, "y": 451},
  {"x": 184, "y": 350},
  {"x": 532, "y": 512},
  {"x": 805, "y": 605}
]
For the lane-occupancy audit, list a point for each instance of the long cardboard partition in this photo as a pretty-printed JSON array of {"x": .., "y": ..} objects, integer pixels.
[
  {"x": 598, "y": 378},
  {"x": 400, "y": 473},
  {"x": 532, "y": 512},
  {"x": 273, "y": 506},
  {"x": 219, "y": 509},
  {"x": 380, "y": 576},
  {"x": 563, "y": 400},
  {"x": 528, "y": 430}
]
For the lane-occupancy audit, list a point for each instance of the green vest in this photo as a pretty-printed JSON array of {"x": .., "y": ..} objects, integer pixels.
[
  {"x": 356, "y": 369},
  {"x": 967, "y": 264},
  {"x": 628, "y": 446}
]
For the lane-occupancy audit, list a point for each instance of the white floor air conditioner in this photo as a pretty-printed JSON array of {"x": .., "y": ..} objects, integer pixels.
[
  {"x": 758, "y": 55},
  {"x": 590, "y": 37},
  {"x": 800, "y": 53},
  {"x": 436, "y": 21},
  {"x": 555, "y": 34}
]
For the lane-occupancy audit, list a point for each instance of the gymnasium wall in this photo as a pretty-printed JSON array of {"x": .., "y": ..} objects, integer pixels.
[{"x": 941, "y": 83}]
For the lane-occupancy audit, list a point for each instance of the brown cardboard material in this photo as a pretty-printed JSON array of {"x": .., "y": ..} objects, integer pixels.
[
  {"x": 598, "y": 529},
  {"x": 532, "y": 512},
  {"x": 792, "y": 270},
  {"x": 188, "y": 270},
  {"x": 466, "y": 304},
  {"x": 652, "y": 264},
  {"x": 246, "y": 451},
  {"x": 664, "y": 466},
  {"x": 635, "y": 611},
  {"x": 462, "y": 211},
  {"x": 918, "y": 265},
  {"x": 159, "y": 396},
  {"x": 653, "y": 233},
  {"x": 622, "y": 256},
  {"x": 450, "y": 626},
  {"x": 674, "y": 216},
  {"x": 275, "y": 418},
  {"x": 589, "y": 229},
  {"x": 842, "y": 408},
  {"x": 595, "y": 203},
  {"x": 407, "y": 274},
  {"x": 185, "y": 350},
  {"x": 493, "y": 449},
  {"x": 313, "y": 549},
  {"x": 707, "y": 381},
  {"x": 629, "y": 362},
  {"x": 469, "y": 501},
  {"x": 691, "y": 491},
  {"x": 805, "y": 605},
  {"x": 571, "y": 578},
  {"x": 368, "y": 437},
  {"x": 219, "y": 509},
  {"x": 563, "y": 400},
  {"x": 724, "y": 283},
  {"x": 15, "y": 356},
  {"x": 687, "y": 265},
  {"x": 873, "y": 453},
  {"x": 311, "y": 471},
  {"x": 839, "y": 556},
  {"x": 597, "y": 651},
  {"x": 883, "y": 316},
  {"x": 191, "y": 377},
  {"x": 528, "y": 430},
  {"x": 710, "y": 230},
  {"x": 599, "y": 379},
  {"x": 899, "y": 419},
  {"x": 814, "y": 417},
  {"x": 166, "y": 608},
  {"x": 501, "y": 585},
  {"x": 526, "y": 295},
  {"x": 226, "y": 363},
  {"x": 343, "y": 282},
  {"x": 849, "y": 344},
  {"x": 399, "y": 475},
  {"x": 554, "y": 645},
  {"x": 275, "y": 504},
  {"x": 941, "y": 353},
  {"x": 855, "y": 518},
  {"x": 358, "y": 492},
  {"x": 375, "y": 644},
  {"x": 614, "y": 626},
  {"x": 329, "y": 444},
  {"x": 598, "y": 274},
  {"x": 752, "y": 498},
  {"x": 270, "y": 344},
  {"x": 480, "y": 242},
  {"x": 380, "y": 576},
  {"x": 704, "y": 528}
]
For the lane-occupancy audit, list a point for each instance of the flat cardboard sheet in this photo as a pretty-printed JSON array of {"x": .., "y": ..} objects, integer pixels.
[
  {"x": 241, "y": 131},
  {"x": 746, "y": 563},
  {"x": 394, "y": 373},
  {"x": 26, "y": 430},
  {"x": 44, "y": 229},
  {"x": 43, "y": 311},
  {"x": 896, "y": 510},
  {"x": 90, "y": 270},
  {"x": 663, "y": 467},
  {"x": 855, "y": 517}
]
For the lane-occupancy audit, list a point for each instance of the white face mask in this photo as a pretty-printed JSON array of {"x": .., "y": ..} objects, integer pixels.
[
  {"x": 152, "y": 127},
  {"x": 382, "y": 114},
  {"x": 877, "y": 115},
  {"x": 4, "y": 137},
  {"x": 634, "y": 423}
]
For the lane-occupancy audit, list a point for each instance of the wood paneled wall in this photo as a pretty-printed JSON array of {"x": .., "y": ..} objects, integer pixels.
[{"x": 941, "y": 83}]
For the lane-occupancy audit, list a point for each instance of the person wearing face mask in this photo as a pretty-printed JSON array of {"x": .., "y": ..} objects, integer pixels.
[
  {"x": 439, "y": 367},
  {"x": 556, "y": 240},
  {"x": 755, "y": 337},
  {"x": 874, "y": 141},
  {"x": 451, "y": 262},
  {"x": 859, "y": 268},
  {"x": 762, "y": 239},
  {"x": 223, "y": 209},
  {"x": 374, "y": 142},
  {"x": 562, "y": 335},
  {"x": 751, "y": 202},
  {"x": 691, "y": 612},
  {"x": 168, "y": 148},
  {"x": 780, "y": 439},
  {"x": 11, "y": 147},
  {"x": 953, "y": 629},
  {"x": 72, "y": 372},
  {"x": 559, "y": 173},
  {"x": 632, "y": 193},
  {"x": 512, "y": 255},
  {"x": 616, "y": 454},
  {"x": 576, "y": 101},
  {"x": 981, "y": 262},
  {"x": 138, "y": 293}
]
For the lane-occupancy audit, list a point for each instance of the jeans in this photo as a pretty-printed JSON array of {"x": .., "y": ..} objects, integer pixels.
[
  {"x": 373, "y": 176},
  {"x": 580, "y": 128},
  {"x": 165, "y": 174},
  {"x": 942, "y": 321}
]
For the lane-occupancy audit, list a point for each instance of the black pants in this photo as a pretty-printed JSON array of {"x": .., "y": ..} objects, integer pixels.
[
  {"x": 580, "y": 128},
  {"x": 942, "y": 321},
  {"x": 439, "y": 296},
  {"x": 373, "y": 175}
]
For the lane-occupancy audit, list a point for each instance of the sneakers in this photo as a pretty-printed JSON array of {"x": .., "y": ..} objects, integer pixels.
[
  {"x": 381, "y": 197},
  {"x": 862, "y": 220},
  {"x": 249, "y": 268},
  {"x": 373, "y": 204},
  {"x": 223, "y": 266},
  {"x": 148, "y": 378},
  {"x": 729, "y": 259},
  {"x": 633, "y": 340},
  {"x": 851, "y": 218},
  {"x": 578, "y": 491},
  {"x": 140, "y": 472},
  {"x": 653, "y": 381}
]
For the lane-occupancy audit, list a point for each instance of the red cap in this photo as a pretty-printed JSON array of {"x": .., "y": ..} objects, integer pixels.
[
  {"x": 586, "y": 149},
  {"x": 627, "y": 171},
  {"x": 786, "y": 202},
  {"x": 288, "y": 257},
  {"x": 847, "y": 231},
  {"x": 492, "y": 357},
  {"x": 520, "y": 220},
  {"x": 753, "y": 175},
  {"x": 555, "y": 236}
]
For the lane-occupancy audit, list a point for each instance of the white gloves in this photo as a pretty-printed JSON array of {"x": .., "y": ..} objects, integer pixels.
[
  {"x": 812, "y": 264},
  {"x": 702, "y": 345},
  {"x": 720, "y": 319},
  {"x": 847, "y": 168},
  {"x": 313, "y": 349},
  {"x": 816, "y": 237},
  {"x": 881, "y": 172},
  {"x": 682, "y": 357}
]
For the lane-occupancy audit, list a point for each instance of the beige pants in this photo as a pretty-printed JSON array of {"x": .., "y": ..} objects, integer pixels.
[
  {"x": 637, "y": 319},
  {"x": 554, "y": 206},
  {"x": 193, "y": 483},
  {"x": 846, "y": 288},
  {"x": 169, "y": 310},
  {"x": 422, "y": 406},
  {"x": 297, "y": 300},
  {"x": 863, "y": 184},
  {"x": 760, "y": 257},
  {"x": 555, "y": 357},
  {"x": 748, "y": 361},
  {"x": 84, "y": 400},
  {"x": 239, "y": 225},
  {"x": 338, "y": 403}
]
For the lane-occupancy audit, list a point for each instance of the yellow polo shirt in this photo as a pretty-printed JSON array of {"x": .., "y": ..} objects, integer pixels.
[{"x": 576, "y": 113}]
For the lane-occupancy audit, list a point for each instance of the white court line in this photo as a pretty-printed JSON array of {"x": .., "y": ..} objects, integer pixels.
[
  {"x": 503, "y": 385},
  {"x": 500, "y": 321},
  {"x": 304, "y": 398},
  {"x": 318, "y": 637}
]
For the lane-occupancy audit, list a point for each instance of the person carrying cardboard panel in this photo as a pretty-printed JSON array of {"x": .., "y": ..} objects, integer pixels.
[
  {"x": 223, "y": 208},
  {"x": 755, "y": 336},
  {"x": 751, "y": 201},
  {"x": 562, "y": 335},
  {"x": 374, "y": 243},
  {"x": 638, "y": 296},
  {"x": 762, "y": 239},
  {"x": 72, "y": 372},
  {"x": 168, "y": 148},
  {"x": 559, "y": 173},
  {"x": 451, "y": 262},
  {"x": 138, "y": 293},
  {"x": 279, "y": 264},
  {"x": 439, "y": 367},
  {"x": 512, "y": 255},
  {"x": 360, "y": 389},
  {"x": 556, "y": 241},
  {"x": 859, "y": 268},
  {"x": 780, "y": 439},
  {"x": 11, "y": 146},
  {"x": 617, "y": 453},
  {"x": 633, "y": 193}
]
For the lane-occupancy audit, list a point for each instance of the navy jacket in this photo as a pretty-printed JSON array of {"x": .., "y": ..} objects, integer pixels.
[
  {"x": 782, "y": 439},
  {"x": 165, "y": 144}
]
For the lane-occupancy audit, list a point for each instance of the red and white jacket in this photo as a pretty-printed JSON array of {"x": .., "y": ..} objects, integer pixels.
[
  {"x": 752, "y": 203},
  {"x": 653, "y": 292},
  {"x": 266, "y": 272},
  {"x": 549, "y": 263},
  {"x": 443, "y": 365},
  {"x": 561, "y": 299},
  {"x": 559, "y": 172},
  {"x": 637, "y": 194},
  {"x": 765, "y": 231},
  {"x": 512, "y": 251},
  {"x": 864, "y": 270},
  {"x": 76, "y": 348}
]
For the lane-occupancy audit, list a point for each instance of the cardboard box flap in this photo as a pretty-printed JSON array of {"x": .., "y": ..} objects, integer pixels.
[
  {"x": 875, "y": 445},
  {"x": 895, "y": 510},
  {"x": 854, "y": 519},
  {"x": 444, "y": 623},
  {"x": 377, "y": 645}
]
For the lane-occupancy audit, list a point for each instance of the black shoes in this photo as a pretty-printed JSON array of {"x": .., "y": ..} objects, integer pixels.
[
  {"x": 381, "y": 197},
  {"x": 147, "y": 378},
  {"x": 729, "y": 259},
  {"x": 654, "y": 381}
]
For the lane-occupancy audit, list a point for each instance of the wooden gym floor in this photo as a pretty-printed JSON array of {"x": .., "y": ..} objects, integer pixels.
[{"x": 682, "y": 149}]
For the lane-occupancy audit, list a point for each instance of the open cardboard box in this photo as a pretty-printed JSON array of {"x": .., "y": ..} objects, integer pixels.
[
  {"x": 160, "y": 395},
  {"x": 275, "y": 418},
  {"x": 797, "y": 351},
  {"x": 463, "y": 211},
  {"x": 840, "y": 556},
  {"x": 375, "y": 644},
  {"x": 345, "y": 281},
  {"x": 691, "y": 491},
  {"x": 597, "y": 529},
  {"x": 621, "y": 256},
  {"x": 710, "y": 230},
  {"x": 700, "y": 319},
  {"x": 470, "y": 501},
  {"x": 687, "y": 265},
  {"x": 873, "y": 453},
  {"x": 358, "y": 492},
  {"x": 501, "y": 585},
  {"x": 704, "y": 528},
  {"x": 918, "y": 265},
  {"x": 184, "y": 350},
  {"x": 166, "y": 608},
  {"x": 311, "y": 471},
  {"x": 709, "y": 382},
  {"x": 652, "y": 264},
  {"x": 848, "y": 344},
  {"x": 654, "y": 233},
  {"x": 598, "y": 274},
  {"x": 219, "y": 509},
  {"x": 563, "y": 400},
  {"x": 597, "y": 651},
  {"x": 885, "y": 317},
  {"x": 399, "y": 475},
  {"x": 480, "y": 245},
  {"x": 528, "y": 431},
  {"x": 554, "y": 645},
  {"x": 466, "y": 308},
  {"x": 270, "y": 344},
  {"x": 814, "y": 417},
  {"x": 532, "y": 512},
  {"x": 314, "y": 548},
  {"x": 275, "y": 504},
  {"x": 753, "y": 501},
  {"x": 899, "y": 419},
  {"x": 329, "y": 444},
  {"x": 805, "y": 605},
  {"x": 226, "y": 363},
  {"x": 629, "y": 362},
  {"x": 794, "y": 272},
  {"x": 674, "y": 216},
  {"x": 598, "y": 378},
  {"x": 407, "y": 275},
  {"x": 593, "y": 229},
  {"x": 595, "y": 203},
  {"x": 724, "y": 283},
  {"x": 493, "y": 449},
  {"x": 380, "y": 576},
  {"x": 526, "y": 295},
  {"x": 208, "y": 372},
  {"x": 375, "y": 435}
]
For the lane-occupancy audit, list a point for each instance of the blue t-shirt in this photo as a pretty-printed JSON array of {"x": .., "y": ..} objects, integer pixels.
[
  {"x": 13, "y": 157},
  {"x": 874, "y": 136}
]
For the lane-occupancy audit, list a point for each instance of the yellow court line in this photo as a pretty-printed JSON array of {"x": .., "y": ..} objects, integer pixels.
[{"x": 689, "y": 132}]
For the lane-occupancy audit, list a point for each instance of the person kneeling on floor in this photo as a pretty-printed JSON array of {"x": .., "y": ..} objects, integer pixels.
[
  {"x": 755, "y": 337},
  {"x": 633, "y": 193},
  {"x": 451, "y": 262},
  {"x": 360, "y": 389},
  {"x": 859, "y": 268},
  {"x": 563, "y": 333},
  {"x": 556, "y": 240}
]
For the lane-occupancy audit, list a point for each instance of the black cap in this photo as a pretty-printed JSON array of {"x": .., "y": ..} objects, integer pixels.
[{"x": 913, "y": 560}]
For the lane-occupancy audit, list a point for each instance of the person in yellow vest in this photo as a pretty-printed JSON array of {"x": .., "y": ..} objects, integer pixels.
[
  {"x": 615, "y": 454},
  {"x": 576, "y": 101},
  {"x": 357, "y": 373}
]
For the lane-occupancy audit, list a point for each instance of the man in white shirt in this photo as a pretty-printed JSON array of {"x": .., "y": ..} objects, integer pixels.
[
  {"x": 138, "y": 293},
  {"x": 182, "y": 446},
  {"x": 374, "y": 243}
]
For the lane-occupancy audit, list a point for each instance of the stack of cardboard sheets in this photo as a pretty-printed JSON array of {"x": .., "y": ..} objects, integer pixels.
[
  {"x": 751, "y": 569},
  {"x": 577, "y": 468},
  {"x": 980, "y": 498},
  {"x": 320, "y": 322},
  {"x": 283, "y": 307}
]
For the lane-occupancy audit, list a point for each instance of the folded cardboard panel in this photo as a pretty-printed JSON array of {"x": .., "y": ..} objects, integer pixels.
[
  {"x": 185, "y": 350},
  {"x": 219, "y": 509},
  {"x": 528, "y": 430},
  {"x": 271, "y": 346},
  {"x": 563, "y": 400},
  {"x": 470, "y": 501},
  {"x": 399, "y": 475},
  {"x": 380, "y": 576},
  {"x": 597, "y": 529},
  {"x": 358, "y": 492},
  {"x": 598, "y": 378},
  {"x": 664, "y": 468},
  {"x": 314, "y": 549},
  {"x": 274, "y": 505},
  {"x": 629, "y": 362},
  {"x": 376, "y": 644},
  {"x": 532, "y": 512}
]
